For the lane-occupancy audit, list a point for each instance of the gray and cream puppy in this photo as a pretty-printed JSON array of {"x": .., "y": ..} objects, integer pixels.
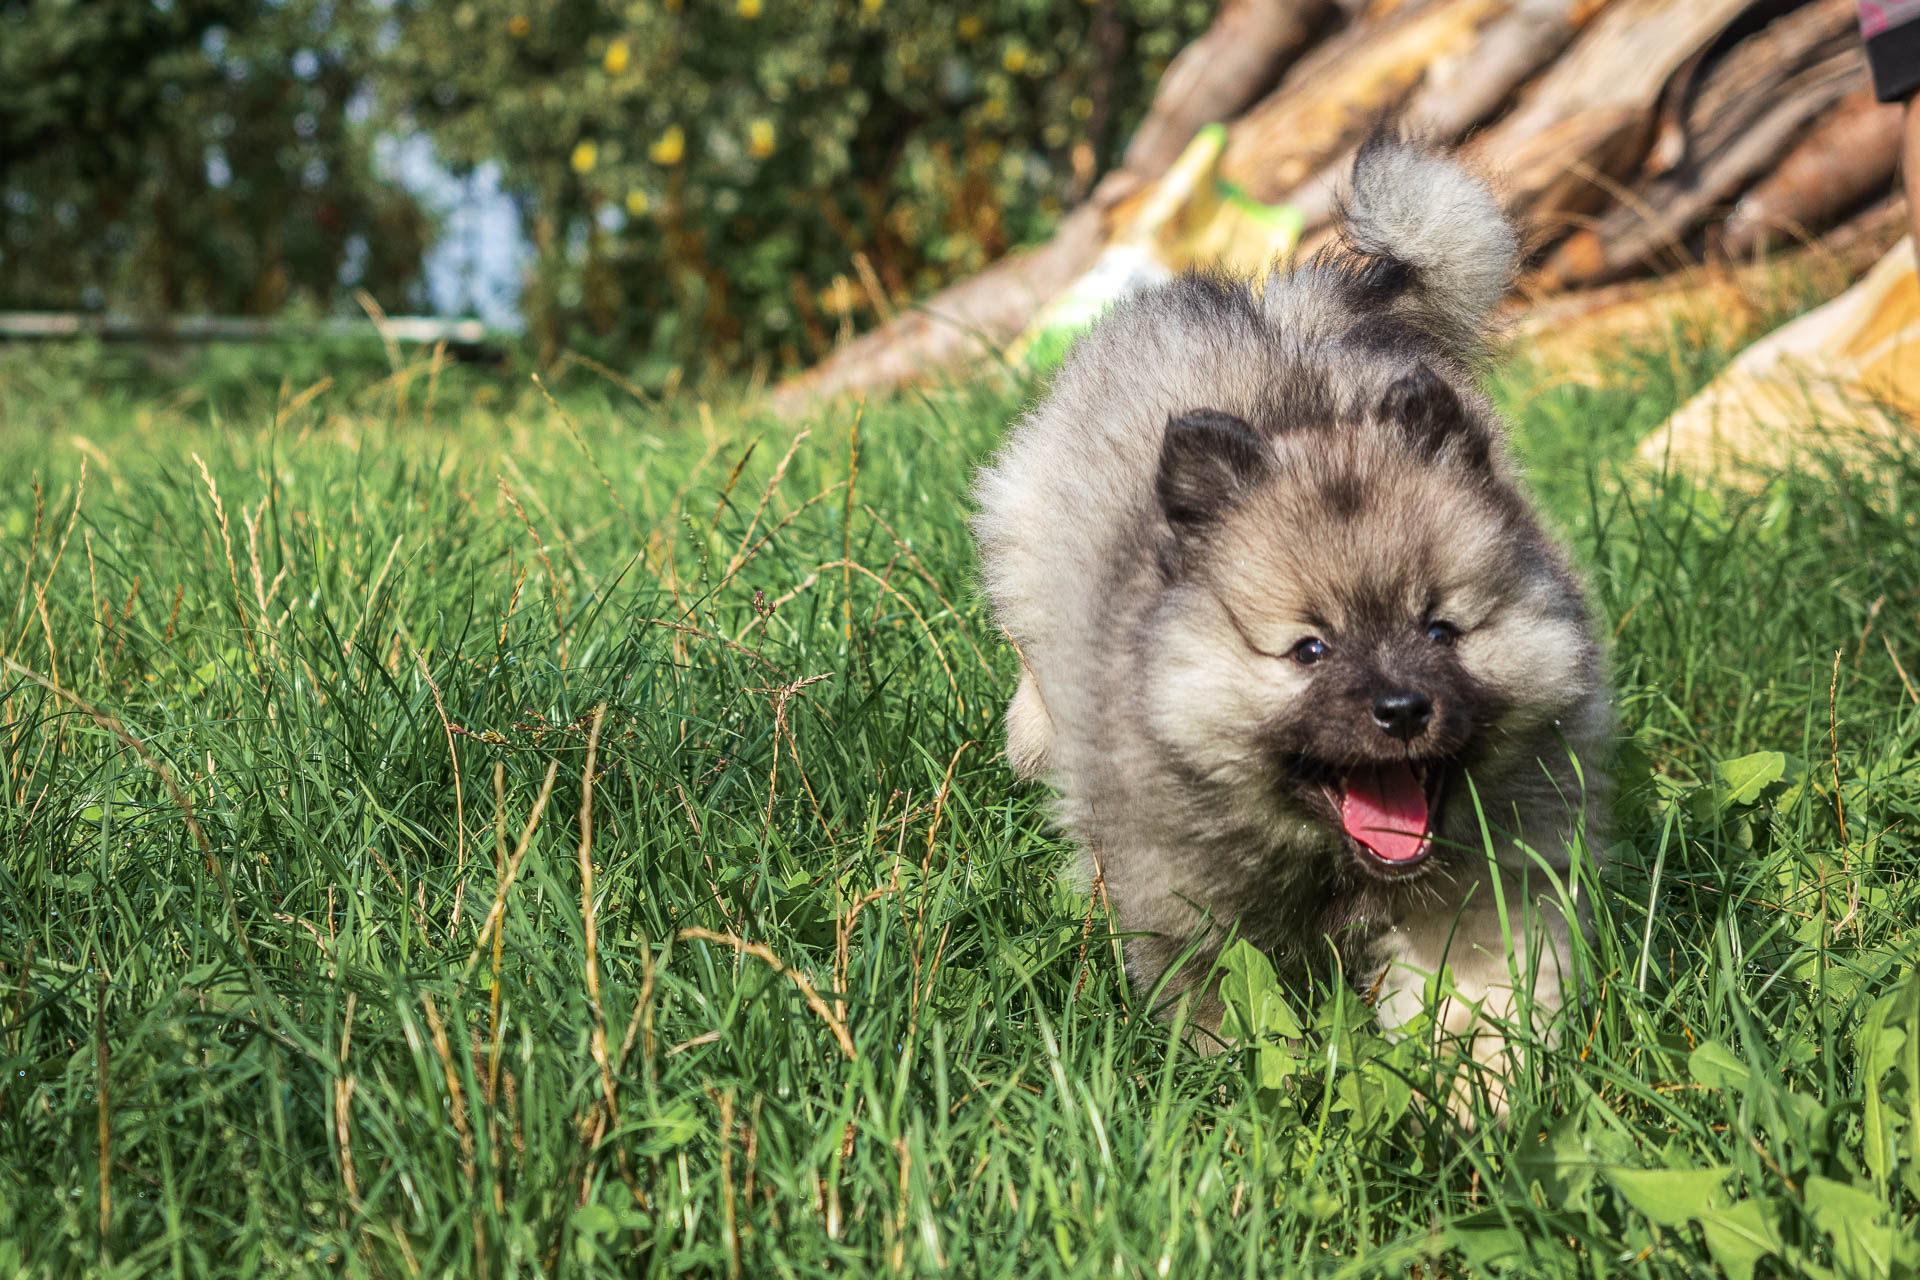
[{"x": 1284, "y": 616}]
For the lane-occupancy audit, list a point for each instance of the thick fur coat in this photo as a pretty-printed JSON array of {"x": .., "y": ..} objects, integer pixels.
[{"x": 1284, "y": 617}]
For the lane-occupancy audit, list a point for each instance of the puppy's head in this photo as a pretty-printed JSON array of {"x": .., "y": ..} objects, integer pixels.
[{"x": 1352, "y": 614}]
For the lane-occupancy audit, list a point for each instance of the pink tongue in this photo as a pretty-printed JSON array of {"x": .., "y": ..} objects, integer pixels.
[{"x": 1386, "y": 810}]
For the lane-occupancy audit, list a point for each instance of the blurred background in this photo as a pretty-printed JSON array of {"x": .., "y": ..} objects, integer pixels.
[
  {"x": 668, "y": 183},
  {"x": 831, "y": 195}
]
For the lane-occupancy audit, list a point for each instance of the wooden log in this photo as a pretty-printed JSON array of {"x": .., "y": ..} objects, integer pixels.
[
  {"x": 1579, "y": 335},
  {"x": 1246, "y": 50},
  {"x": 976, "y": 316},
  {"x": 1836, "y": 381},
  {"x": 1750, "y": 108},
  {"x": 1457, "y": 96},
  {"x": 1461, "y": 92},
  {"x": 1249, "y": 45},
  {"x": 1337, "y": 93},
  {"x": 1588, "y": 121},
  {"x": 1848, "y": 157}
]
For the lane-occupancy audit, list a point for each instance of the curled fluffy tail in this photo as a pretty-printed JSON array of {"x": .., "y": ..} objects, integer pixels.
[{"x": 1440, "y": 249}]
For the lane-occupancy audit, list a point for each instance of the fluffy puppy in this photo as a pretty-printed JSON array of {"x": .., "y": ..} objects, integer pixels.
[{"x": 1285, "y": 617}]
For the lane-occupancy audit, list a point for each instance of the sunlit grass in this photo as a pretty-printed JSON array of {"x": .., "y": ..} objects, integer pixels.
[{"x": 600, "y": 861}]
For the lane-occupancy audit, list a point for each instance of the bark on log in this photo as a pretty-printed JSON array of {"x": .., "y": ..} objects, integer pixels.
[
  {"x": 1460, "y": 93},
  {"x": 1579, "y": 334},
  {"x": 1457, "y": 96},
  {"x": 1238, "y": 58},
  {"x": 1848, "y": 157},
  {"x": 1334, "y": 96},
  {"x": 980, "y": 314},
  {"x": 1750, "y": 108},
  {"x": 1648, "y": 115},
  {"x": 1588, "y": 121}
]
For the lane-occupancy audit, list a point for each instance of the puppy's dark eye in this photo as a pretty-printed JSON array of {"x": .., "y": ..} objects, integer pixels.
[
  {"x": 1308, "y": 651},
  {"x": 1442, "y": 632}
]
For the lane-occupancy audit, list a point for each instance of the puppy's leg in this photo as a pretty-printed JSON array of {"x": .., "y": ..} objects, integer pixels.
[
  {"x": 1029, "y": 731},
  {"x": 1496, "y": 974}
]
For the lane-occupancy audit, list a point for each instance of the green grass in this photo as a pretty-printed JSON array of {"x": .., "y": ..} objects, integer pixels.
[{"x": 380, "y": 659}]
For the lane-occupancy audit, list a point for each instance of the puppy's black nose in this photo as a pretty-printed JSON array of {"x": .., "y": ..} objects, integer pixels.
[{"x": 1402, "y": 714}]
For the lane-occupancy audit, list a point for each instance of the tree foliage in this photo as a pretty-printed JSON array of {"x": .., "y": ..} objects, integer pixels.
[
  {"x": 193, "y": 155},
  {"x": 707, "y": 184},
  {"x": 726, "y": 180}
]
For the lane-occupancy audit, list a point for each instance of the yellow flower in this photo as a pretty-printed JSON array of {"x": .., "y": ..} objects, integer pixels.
[
  {"x": 872, "y": 6},
  {"x": 585, "y": 156},
  {"x": 1081, "y": 108},
  {"x": 616, "y": 60},
  {"x": 839, "y": 297},
  {"x": 637, "y": 202},
  {"x": 518, "y": 26},
  {"x": 994, "y": 108},
  {"x": 760, "y": 138},
  {"x": 969, "y": 27},
  {"x": 749, "y": 9},
  {"x": 669, "y": 148},
  {"x": 1013, "y": 59}
]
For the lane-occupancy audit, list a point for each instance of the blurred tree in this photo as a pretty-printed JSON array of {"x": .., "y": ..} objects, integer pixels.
[
  {"x": 194, "y": 155},
  {"x": 716, "y": 183}
]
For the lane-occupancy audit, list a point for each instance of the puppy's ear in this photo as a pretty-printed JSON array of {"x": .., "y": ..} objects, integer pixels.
[
  {"x": 1207, "y": 460},
  {"x": 1429, "y": 412}
]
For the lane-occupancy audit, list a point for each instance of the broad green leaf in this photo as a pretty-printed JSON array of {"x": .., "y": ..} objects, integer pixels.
[
  {"x": 1879, "y": 1044},
  {"x": 592, "y": 1223},
  {"x": 595, "y": 1220},
  {"x": 1865, "y": 1236},
  {"x": 1374, "y": 1093},
  {"x": 1488, "y": 1242},
  {"x": 1717, "y": 1067},
  {"x": 1809, "y": 1115},
  {"x": 1277, "y": 1061},
  {"x": 1563, "y": 1165},
  {"x": 1829, "y": 1200},
  {"x": 1246, "y": 983},
  {"x": 1251, "y": 994},
  {"x": 673, "y": 1128},
  {"x": 1321, "y": 1205},
  {"x": 1741, "y": 781},
  {"x": 1669, "y": 1197},
  {"x": 1740, "y": 1236}
]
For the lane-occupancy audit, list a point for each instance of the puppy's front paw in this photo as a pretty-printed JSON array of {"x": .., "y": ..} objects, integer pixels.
[
  {"x": 1491, "y": 998},
  {"x": 1477, "y": 1035},
  {"x": 1481, "y": 1075}
]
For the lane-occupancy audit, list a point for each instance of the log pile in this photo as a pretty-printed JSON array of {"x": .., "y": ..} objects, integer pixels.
[{"x": 1634, "y": 138}]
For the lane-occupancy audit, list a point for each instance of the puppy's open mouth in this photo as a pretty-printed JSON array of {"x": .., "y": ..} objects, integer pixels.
[{"x": 1390, "y": 811}]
